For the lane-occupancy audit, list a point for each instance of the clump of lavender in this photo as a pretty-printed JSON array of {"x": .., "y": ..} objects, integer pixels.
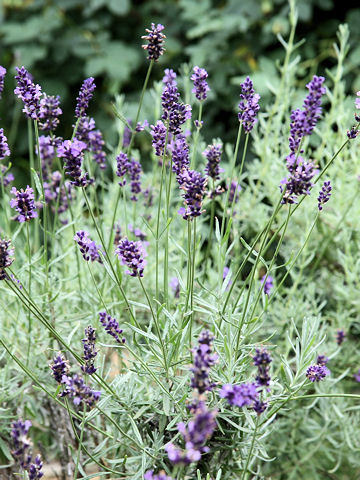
[
  {"x": 194, "y": 186},
  {"x": 340, "y": 336},
  {"x": 267, "y": 284},
  {"x": 155, "y": 41},
  {"x": 248, "y": 106},
  {"x": 180, "y": 156},
  {"x": 175, "y": 286},
  {"x": 111, "y": 326},
  {"x": 76, "y": 389},
  {"x": 299, "y": 182},
  {"x": 123, "y": 165},
  {"x": 132, "y": 254},
  {"x": 204, "y": 359},
  {"x": 87, "y": 133},
  {"x": 2, "y": 78},
  {"x": 90, "y": 351},
  {"x": 22, "y": 450},
  {"x": 241, "y": 395},
  {"x": 316, "y": 373},
  {"x": 213, "y": 156},
  {"x": 195, "y": 435},
  {"x": 158, "y": 132},
  {"x": 201, "y": 86},
  {"x": 49, "y": 112},
  {"x": 6, "y": 257},
  {"x": 28, "y": 92},
  {"x": 73, "y": 154},
  {"x": 59, "y": 367},
  {"x": 262, "y": 360},
  {"x": 169, "y": 77},
  {"x": 135, "y": 179},
  {"x": 149, "y": 475},
  {"x": 24, "y": 204},
  {"x": 88, "y": 248},
  {"x": 324, "y": 195},
  {"x": 84, "y": 97},
  {"x": 4, "y": 147}
]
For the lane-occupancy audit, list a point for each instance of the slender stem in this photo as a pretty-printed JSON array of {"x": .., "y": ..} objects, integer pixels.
[
  {"x": 97, "y": 288},
  {"x": 192, "y": 283},
  {"x": 29, "y": 287},
  {"x": 239, "y": 175},
  {"x": 212, "y": 216},
  {"x": 189, "y": 265},
  {"x": 80, "y": 443},
  {"x": 248, "y": 458},
  {"x": 32, "y": 183},
  {"x": 196, "y": 139},
  {"x": 166, "y": 249}
]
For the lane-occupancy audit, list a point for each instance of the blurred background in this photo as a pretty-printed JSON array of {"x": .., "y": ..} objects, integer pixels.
[{"x": 61, "y": 42}]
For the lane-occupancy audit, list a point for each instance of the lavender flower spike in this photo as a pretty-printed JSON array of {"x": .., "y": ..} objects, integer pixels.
[
  {"x": 34, "y": 469},
  {"x": 59, "y": 367},
  {"x": 240, "y": 395},
  {"x": 155, "y": 41},
  {"x": 340, "y": 336},
  {"x": 88, "y": 248},
  {"x": 267, "y": 284},
  {"x": 4, "y": 147},
  {"x": 6, "y": 257},
  {"x": 132, "y": 254},
  {"x": 201, "y": 86},
  {"x": 73, "y": 154},
  {"x": 85, "y": 95},
  {"x": 135, "y": 179},
  {"x": 194, "y": 186},
  {"x": 248, "y": 106},
  {"x": 28, "y": 92},
  {"x": 90, "y": 351},
  {"x": 49, "y": 112},
  {"x": 158, "y": 132},
  {"x": 262, "y": 360},
  {"x": 324, "y": 195},
  {"x": 76, "y": 389},
  {"x": 21, "y": 442},
  {"x": 2, "y": 77},
  {"x": 316, "y": 373},
  {"x": 24, "y": 204},
  {"x": 111, "y": 326},
  {"x": 213, "y": 156},
  {"x": 204, "y": 359},
  {"x": 123, "y": 164},
  {"x": 169, "y": 77}
]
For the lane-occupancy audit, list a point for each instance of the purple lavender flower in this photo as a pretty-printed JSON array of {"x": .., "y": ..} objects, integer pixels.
[
  {"x": 6, "y": 257},
  {"x": 352, "y": 133},
  {"x": 322, "y": 360},
  {"x": 175, "y": 286},
  {"x": 248, "y": 106},
  {"x": 357, "y": 376},
  {"x": 137, "y": 232},
  {"x": 226, "y": 273},
  {"x": 21, "y": 442},
  {"x": 141, "y": 126},
  {"x": 149, "y": 475},
  {"x": 213, "y": 156},
  {"x": 174, "y": 111},
  {"x": 111, "y": 326},
  {"x": 47, "y": 145},
  {"x": 76, "y": 389},
  {"x": 260, "y": 406},
  {"x": 155, "y": 41},
  {"x": 24, "y": 204},
  {"x": 6, "y": 179},
  {"x": 169, "y": 77},
  {"x": 262, "y": 360},
  {"x": 123, "y": 165},
  {"x": 88, "y": 248},
  {"x": 34, "y": 469},
  {"x": 158, "y": 132},
  {"x": 59, "y": 367},
  {"x": 316, "y": 373},
  {"x": 4, "y": 147},
  {"x": 194, "y": 186},
  {"x": 240, "y": 395},
  {"x": 234, "y": 192},
  {"x": 2, "y": 78},
  {"x": 135, "y": 179},
  {"x": 180, "y": 156},
  {"x": 90, "y": 351},
  {"x": 93, "y": 138},
  {"x": 57, "y": 192},
  {"x": 324, "y": 195},
  {"x": 49, "y": 112},
  {"x": 127, "y": 135},
  {"x": 200, "y": 84},
  {"x": 340, "y": 336},
  {"x": 204, "y": 359},
  {"x": 132, "y": 254},
  {"x": 195, "y": 435},
  {"x": 267, "y": 284},
  {"x": 117, "y": 236},
  {"x": 73, "y": 154},
  {"x": 85, "y": 95},
  {"x": 299, "y": 181},
  {"x": 28, "y": 92}
]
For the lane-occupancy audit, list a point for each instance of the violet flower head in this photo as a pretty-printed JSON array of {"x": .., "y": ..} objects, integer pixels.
[
  {"x": 123, "y": 165},
  {"x": 59, "y": 367},
  {"x": 6, "y": 257},
  {"x": 90, "y": 351},
  {"x": 111, "y": 326},
  {"x": 4, "y": 147},
  {"x": 155, "y": 41},
  {"x": 88, "y": 248},
  {"x": 352, "y": 133},
  {"x": 180, "y": 156},
  {"x": 135, "y": 179},
  {"x": 2, "y": 78},
  {"x": 267, "y": 284},
  {"x": 193, "y": 184},
  {"x": 322, "y": 360},
  {"x": 158, "y": 132},
  {"x": 49, "y": 112},
  {"x": 262, "y": 360},
  {"x": 6, "y": 179},
  {"x": 175, "y": 286},
  {"x": 260, "y": 406},
  {"x": 173, "y": 110},
  {"x": 340, "y": 336},
  {"x": 234, "y": 192},
  {"x": 201, "y": 86},
  {"x": 132, "y": 255},
  {"x": 213, "y": 156},
  {"x": 34, "y": 469},
  {"x": 24, "y": 204},
  {"x": 169, "y": 77},
  {"x": 73, "y": 154},
  {"x": 149, "y": 475},
  {"x": 21, "y": 442},
  {"x": 28, "y": 92},
  {"x": 87, "y": 133},
  {"x": 299, "y": 181},
  {"x": 357, "y": 376},
  {"x": 76, "y": 389},
  {"x": 241, "y": 395},
  {"x": 316, "y": 373},
  {"x": 248, "y": 106},
  {"x": 138, "y": 233},
  {"x": 85, "y": 95},
  {"x": 203, "y": 360},
  {"x": 324, "y": 195}
]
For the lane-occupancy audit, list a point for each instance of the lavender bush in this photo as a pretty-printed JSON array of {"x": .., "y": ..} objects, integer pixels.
[{"x": 195, "y": 319}]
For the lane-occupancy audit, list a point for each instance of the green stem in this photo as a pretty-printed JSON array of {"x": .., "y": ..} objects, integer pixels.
[
  {"x": 212, "y": 216},
  {"x": 196, "y": 139},
  {"x": 80, "y": 443},
  {"x": 29, "y": 287},
  {"x": 192, "y": 283},
  {"x": 248, "y": 458}
]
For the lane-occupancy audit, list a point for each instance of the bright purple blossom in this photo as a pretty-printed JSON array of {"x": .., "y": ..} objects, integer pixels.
[
  {"x": 175, "y": 286},
  {"x": 155, "y": 41},
  {"x": 132, "y": 255},
  {"x": 260, "y": 406},
  {"x": 193, "y": 184},
  {"x": 201, "y": 86},
  {"x": 169, "y": 77},
  {"x": 248, "y": 106},
  {"x": 49, "y": 112},
  {"x": 24, "y": 204},
  {"x": 340, "y": 336},
  {"x": 322, "y": 359},
  {"x": 267, "y": 284},
  {"x": 203, "y": 360},
  {"x": 4, "y": 147},
  {"x": 76, "y": 389},
  {"x": 2, "y": 78},
  {"x": 352, "y": 133},
  {"x": 213, "y": 156},
  {"x": 73, "y": 153},
  {"x": 84, "y": 97},
  {"x": 135, "y": 171},
  {"x": 6, "y": 257},
  {"x": 28, "y": 92},
  {"x": 123, "y": 165},
  {"x": 111, "y": 326},
  {"x": 141, "y": 126},
  {"x": 158, "y": 132},
  {"x": 262, "y": 360},
  {"x": 34, "y": 469},
  {"x": 324, "y": 195},
  {"x": 316, "y": 373},
  {"x": 59, "y": 367},
  {"x": 90, "y": 351},
  {"x": 180, "y": 156},
  {"x": 240, "y": 395},
  {"x": 88, "y": 248}
]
